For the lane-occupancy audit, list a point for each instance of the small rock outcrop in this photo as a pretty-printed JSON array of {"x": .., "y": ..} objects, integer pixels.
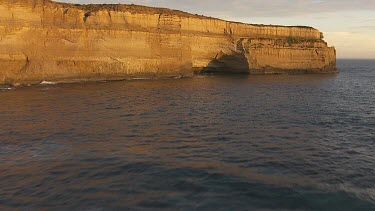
[{"x": 42, "y": 40}]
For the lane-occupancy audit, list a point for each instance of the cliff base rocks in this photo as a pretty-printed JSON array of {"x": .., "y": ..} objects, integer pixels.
[{"x": 41, "y": 40}]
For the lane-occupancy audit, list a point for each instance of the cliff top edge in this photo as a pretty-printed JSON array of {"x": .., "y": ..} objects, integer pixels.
[{"x": 133, "y": 8}]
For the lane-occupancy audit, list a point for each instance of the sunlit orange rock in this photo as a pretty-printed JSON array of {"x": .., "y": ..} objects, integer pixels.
[{"x": 41, "y": 40}]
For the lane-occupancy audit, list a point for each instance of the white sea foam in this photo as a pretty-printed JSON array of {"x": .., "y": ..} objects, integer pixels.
[
  {"x": 6, "y": 88},
  {"x": 141, "y": 78},
  {"x": 362, "y": 193},
  {"x": 47, "y": 83}
]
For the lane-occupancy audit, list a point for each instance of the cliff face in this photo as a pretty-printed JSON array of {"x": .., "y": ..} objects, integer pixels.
[{"x": 41, "y": 40}]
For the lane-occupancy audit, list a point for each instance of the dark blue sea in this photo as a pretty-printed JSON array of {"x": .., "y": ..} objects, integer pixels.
[{"x": 278, "y": 142}]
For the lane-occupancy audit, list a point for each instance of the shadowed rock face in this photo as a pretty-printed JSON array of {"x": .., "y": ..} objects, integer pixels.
[
  {"x": 41, "y": 40},
  {"x": 235, "y": 63}
]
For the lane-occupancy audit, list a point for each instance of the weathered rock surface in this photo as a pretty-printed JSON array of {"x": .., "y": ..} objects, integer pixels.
[{"x": 41, "y": 40}]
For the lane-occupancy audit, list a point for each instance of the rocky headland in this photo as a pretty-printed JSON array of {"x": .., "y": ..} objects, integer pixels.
[{"x": 42, "y": 40}]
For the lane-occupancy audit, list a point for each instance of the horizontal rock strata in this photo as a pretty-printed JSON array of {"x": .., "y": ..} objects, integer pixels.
[{"x": 41, "y": 40}]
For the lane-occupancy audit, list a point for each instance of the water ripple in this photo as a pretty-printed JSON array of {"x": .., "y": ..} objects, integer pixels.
[{"x": 281, "y": 142}]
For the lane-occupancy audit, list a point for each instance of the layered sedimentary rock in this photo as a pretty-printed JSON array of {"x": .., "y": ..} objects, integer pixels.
[{"x": 41, "y": 40}]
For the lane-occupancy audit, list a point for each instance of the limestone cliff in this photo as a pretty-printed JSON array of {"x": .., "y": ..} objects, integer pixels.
[{"x": 41, "y": 40}]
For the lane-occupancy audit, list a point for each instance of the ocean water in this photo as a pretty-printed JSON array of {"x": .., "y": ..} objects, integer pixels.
[{"x": 279, "y": 142}]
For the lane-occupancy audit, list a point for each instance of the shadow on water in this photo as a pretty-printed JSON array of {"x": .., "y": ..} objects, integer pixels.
[{"x": 228, "y": 64}]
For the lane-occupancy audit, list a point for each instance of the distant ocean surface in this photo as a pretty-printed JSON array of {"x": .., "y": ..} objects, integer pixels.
[{"x": 278, "y": 142}]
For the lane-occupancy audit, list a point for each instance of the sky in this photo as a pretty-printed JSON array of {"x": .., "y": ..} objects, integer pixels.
[{"x": 349, "y": 25}]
